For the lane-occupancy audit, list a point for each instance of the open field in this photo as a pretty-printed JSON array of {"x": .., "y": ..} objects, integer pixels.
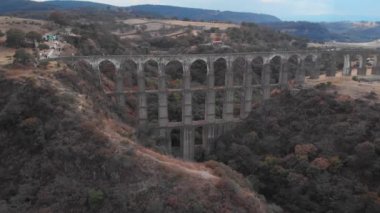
[
  {"x": 346, "y": 86},
  {"x": 156, "y": 24},
  {"x": 366, "y": 45},
  {"x": 25, "y": 25}
]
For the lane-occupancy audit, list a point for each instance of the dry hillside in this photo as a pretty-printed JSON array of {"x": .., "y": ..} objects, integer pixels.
[{"x": 64, "y": 149}]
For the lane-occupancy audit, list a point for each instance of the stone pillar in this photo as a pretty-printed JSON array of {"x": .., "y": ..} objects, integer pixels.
[
  {"x": 315, "y": 69},
  {"x": 187, "y": 144},
  {"x": 208, "y": 134},
  {"x": 163, "y": 118},
  {"x": 347, "y": 65},
  {"x": 187, "y": 133},
  {"x": 142, "y": 102},
  {"x": 228, "y": 106},
  {"x": 210, "y": 97},
  {"x": 266, "y": 81},
  {"x": 362, "y": 69},
  {"x": 120, "y": 87},
  {"x": 248, "y": 92},
  {"x": 284, "y": 74}
]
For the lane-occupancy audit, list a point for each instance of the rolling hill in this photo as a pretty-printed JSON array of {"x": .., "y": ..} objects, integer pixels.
[
  {"x": 201, "y": 14},
  {"x": 11, "y": 6}
]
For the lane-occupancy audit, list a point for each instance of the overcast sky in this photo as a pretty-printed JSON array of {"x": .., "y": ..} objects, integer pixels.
[{"x": 312, "y": 10}]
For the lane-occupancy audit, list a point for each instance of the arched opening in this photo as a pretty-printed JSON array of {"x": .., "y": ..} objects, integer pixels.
[
  {"x": 198, "y": 74},
  {"x": 174, "y": 75},
  {"x": 276, "y": 66},
  {"x": 108, "y": 75},
  {"x": 292, "y": 66},
  {"x": 275, "y": 70},
  {"x": 129, "y": 69},
  {"x": 220, "y": 69},
  {"x": 175, "y": 139},
  {"x": 198, "y": 105},
  {"x": 324, "y": 61},
  {"x": 238, "y": 94},
  {"x": 257, "y": 98},
  {"x": 151, "y": 75},
  {"x": 198, "y": 139},
  {"x": 152, "y": 102},
  {"x": 257, "y": 68},
  {"x": 371, "y": 62},
  {"x": 130, "y": 82},
  {"x": 339, "y": 64},
  {"x": 239, "y": 67},
  {"x": 358, "y": 66},
  {"x": 309, "y": 66},
  {"x": 175, "y": 107}
]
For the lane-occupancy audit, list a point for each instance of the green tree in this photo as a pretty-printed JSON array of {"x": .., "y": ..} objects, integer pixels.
[
  {"x": 15, "y": 38},
  {"x": 58, "y": 18},
  {"x": 1, "y": 34},
  {"x": 34, "y": 36},
  {"x": 22, "y": 57}
]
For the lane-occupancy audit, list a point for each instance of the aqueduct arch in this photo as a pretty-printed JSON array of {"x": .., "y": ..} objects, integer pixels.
[{"x": 174, "y": 81}]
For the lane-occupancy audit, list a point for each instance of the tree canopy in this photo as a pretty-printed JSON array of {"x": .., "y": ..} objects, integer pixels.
[{"x": 15, "y": 38}]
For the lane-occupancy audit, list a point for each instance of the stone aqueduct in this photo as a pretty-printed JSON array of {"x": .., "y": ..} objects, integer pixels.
[{"x": 252, "y": 82}]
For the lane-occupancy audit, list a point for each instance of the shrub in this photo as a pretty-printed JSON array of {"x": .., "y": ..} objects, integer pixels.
[
  {"x": 43, "y": 64},
  {"x": 95, "y": 198},
  {"x": 43, "y": 47},
  {"x": 323, "y": 86},
  {"x": 34, "y": 36},
  {"x": 22, "y": 57},
  {"x": 15, "y": 38}
]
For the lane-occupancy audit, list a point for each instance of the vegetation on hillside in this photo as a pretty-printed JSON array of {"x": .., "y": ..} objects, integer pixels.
[
  {"x": 312, "y": 152},
  {"x": 17, "y": 38},
  {"x": 64, "y": 148}
]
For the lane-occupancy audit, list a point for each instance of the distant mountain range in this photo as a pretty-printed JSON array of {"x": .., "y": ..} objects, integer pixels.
[
  {"x": 327, "y": 31},
  {"x": 10, "y": 6},
  {"x": 202, "y": 14},
  {"x": 339, "y": 31}
]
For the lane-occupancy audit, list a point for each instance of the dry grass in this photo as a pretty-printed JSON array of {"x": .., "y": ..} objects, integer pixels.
[
  {"x": 155, "y": 24},
  {"x": 346, "y": 86}
]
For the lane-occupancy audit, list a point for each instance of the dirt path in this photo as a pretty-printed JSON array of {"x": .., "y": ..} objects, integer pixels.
[{"x": 205, "y": 174}]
